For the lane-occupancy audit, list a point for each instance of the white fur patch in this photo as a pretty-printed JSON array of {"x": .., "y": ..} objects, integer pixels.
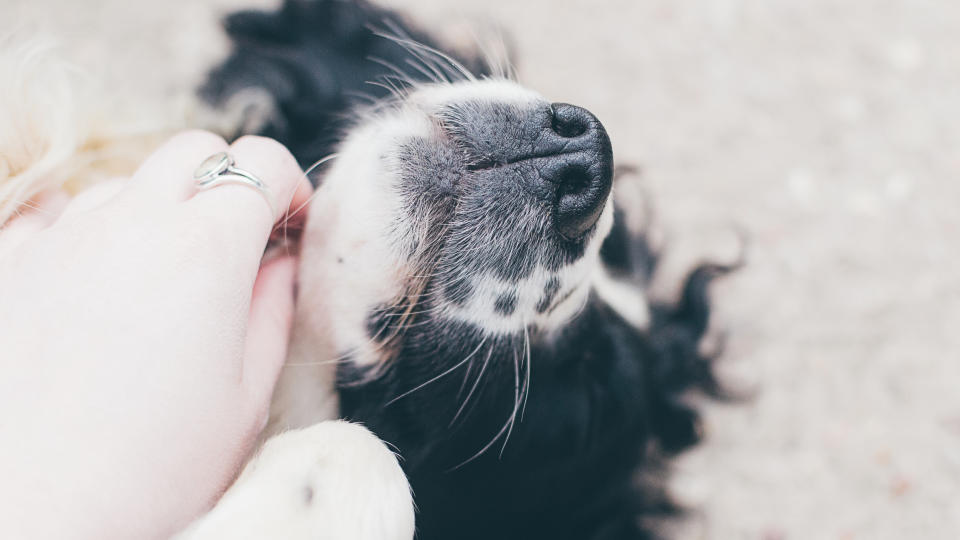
[
  {"x": 574, "y": 279},
  {"x": 332, "y": 480},
  {"x": 432, "y": 98},
  {"x": 349, "y": 263},
  {"x": 628, "y": 300}
]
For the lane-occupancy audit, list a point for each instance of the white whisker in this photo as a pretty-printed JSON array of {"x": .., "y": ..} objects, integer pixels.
[
  {"x": 438, "y": 377},
  {"x": 473, "y": 388},
  {"x": 516, "y": 400},
  {"x": 526, "y": 384}
]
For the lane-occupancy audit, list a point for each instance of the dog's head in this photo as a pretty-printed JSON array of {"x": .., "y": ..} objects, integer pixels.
[
  {"x": 476, "y": 202},
  {"x": 459, "y": 224},
  {"x": 455, "y": 198}
]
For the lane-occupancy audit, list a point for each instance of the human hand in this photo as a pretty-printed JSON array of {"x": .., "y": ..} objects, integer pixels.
[{"x": 141, "y": 341}]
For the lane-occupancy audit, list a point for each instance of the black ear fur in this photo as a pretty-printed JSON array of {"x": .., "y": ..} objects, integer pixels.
[
  {"x": 673, "y": 362},
  {"x": 316, "y": 59},
  {"x": 676, "y": 365}
]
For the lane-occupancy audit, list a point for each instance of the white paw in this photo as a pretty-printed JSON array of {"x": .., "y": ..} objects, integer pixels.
[{"x": 333, "y": 480}]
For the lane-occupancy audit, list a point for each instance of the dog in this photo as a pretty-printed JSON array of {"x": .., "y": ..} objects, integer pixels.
[{"x": 472, "y": 297}]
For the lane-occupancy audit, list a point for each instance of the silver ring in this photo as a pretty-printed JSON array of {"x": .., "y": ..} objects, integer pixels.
[{"x": 219, "y": 169}]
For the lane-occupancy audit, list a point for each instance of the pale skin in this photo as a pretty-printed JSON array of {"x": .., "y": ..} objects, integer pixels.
[{"x": 140, "y": 339}]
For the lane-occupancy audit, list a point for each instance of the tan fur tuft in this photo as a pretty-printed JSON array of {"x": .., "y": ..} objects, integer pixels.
[{"x": 59, "y": 130}]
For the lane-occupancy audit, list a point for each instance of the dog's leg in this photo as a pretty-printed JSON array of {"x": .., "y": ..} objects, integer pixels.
[{"x": 333, "y": 480}]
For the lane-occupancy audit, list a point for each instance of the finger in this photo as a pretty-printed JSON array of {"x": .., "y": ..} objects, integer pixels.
[
  {"x": 93, "y": 197},
  {"x": 268, "y": 329},
  {"x": 167, "y": 175},
  {"x": 296, "y": 210},
  {"x": 255, "y": 212},
  {"x": 37, "y": 215},
  {"x": 287, "y": 231},
  {"x": 44, "y": 207}
]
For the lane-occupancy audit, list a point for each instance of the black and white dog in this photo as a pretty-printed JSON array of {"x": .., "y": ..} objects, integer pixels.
[{"x": 469, "y": 293}]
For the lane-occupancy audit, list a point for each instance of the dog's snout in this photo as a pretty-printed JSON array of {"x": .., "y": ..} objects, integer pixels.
[
  {"x": 560, "y": 153},
  {"x": 581, "y": 169}
]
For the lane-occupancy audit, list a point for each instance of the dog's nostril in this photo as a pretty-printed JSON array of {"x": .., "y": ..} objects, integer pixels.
[
  {"x": 573, "y": 180},
  {"x": 569, "y": 121},
  {"x": 581, "y": 170},
  {"x": 582, "y": 191}
]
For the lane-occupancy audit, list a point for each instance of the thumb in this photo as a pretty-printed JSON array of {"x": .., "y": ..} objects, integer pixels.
[{"x": 268, "y": 329}]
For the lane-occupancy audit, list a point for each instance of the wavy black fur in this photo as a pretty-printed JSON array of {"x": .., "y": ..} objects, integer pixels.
[
  {"x": 318, "y": 60},
  {"x": 585, "y": 459}
]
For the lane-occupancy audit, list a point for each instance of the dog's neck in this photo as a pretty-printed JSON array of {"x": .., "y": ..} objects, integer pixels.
[{"x": 577, "y": 430}]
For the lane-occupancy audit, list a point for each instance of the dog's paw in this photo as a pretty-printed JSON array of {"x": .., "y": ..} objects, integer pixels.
[{"x": 333, "y": 480}]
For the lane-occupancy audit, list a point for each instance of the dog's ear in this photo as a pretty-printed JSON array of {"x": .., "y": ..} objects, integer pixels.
[
  {"x": 294, "y": 74},
  {"x": 671, "y": 349},
  {"x": 677, "y": 364}
]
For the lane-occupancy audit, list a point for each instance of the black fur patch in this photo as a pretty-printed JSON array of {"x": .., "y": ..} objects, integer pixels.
[
  {"x": 605, "y": 401},
  {"x": 506, "y": 304},
  {"x": 605, "y": 407},
  {"x": 318, "y": 60},
  {"x": 622, "y": 256},
  {"x": 550, "y": 291},
  {"x": 383, "y": 322},
  {"x": 458, "y": 290}
]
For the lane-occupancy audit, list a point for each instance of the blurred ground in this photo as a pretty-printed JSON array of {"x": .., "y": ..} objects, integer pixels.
[{"x": 829, "y": 132}]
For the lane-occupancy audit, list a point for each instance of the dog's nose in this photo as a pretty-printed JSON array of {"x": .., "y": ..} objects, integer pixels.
[{"x": 581, "y": 168}]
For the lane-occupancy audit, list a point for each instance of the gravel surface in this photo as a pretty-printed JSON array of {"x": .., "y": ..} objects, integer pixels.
[{"x": 827, "y": 131}]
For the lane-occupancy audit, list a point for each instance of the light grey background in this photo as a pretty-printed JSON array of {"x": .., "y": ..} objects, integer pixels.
[{"x": 827, "y": 130}]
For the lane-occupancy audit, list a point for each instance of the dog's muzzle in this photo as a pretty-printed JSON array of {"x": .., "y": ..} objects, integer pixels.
[{"x": 561, "y": 153}]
